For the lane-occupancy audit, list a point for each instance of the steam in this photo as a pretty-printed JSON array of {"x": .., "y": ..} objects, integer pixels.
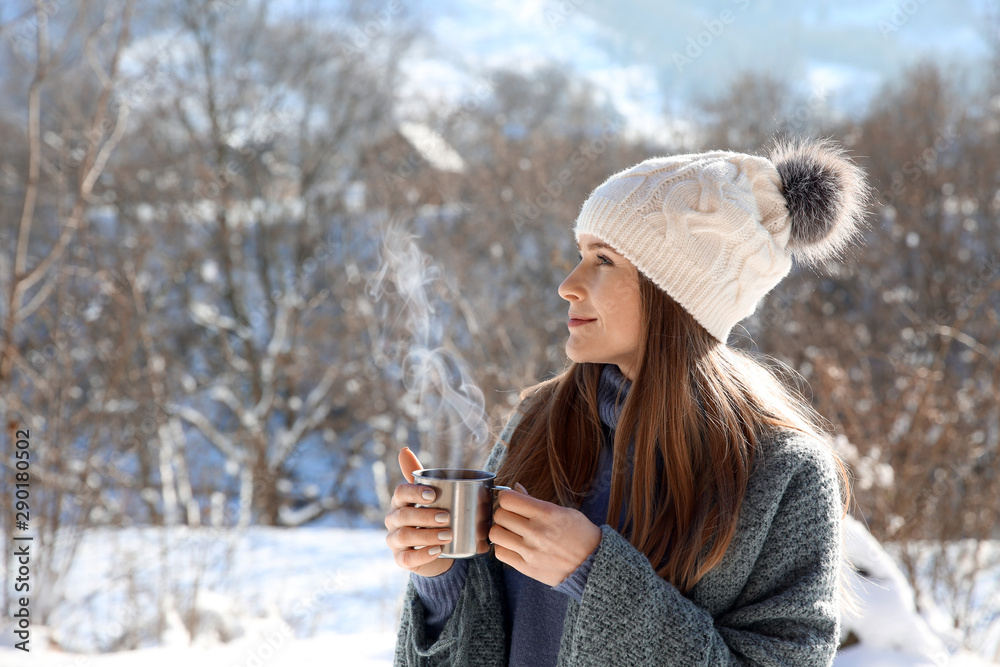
[{"x": 439, "y": 389}]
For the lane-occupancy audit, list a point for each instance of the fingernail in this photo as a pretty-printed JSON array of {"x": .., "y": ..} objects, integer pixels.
[
  {"x": 441, "y": 517},
  {"x": 427, "y": 495},
  {"x": 521, "y": 488},
  {"x": 434, "y": 551},
  {"x": 445, "y": 535}
]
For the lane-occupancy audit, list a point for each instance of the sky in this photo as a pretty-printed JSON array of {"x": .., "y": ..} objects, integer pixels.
[{"x": 656, "y": 58}]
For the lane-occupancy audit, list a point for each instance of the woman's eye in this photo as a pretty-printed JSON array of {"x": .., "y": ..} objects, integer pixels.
[{"x": 604, "y": 260}]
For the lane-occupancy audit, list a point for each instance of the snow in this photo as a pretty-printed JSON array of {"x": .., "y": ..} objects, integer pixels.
[
  {"x": 886, "y": 595},
  {"x": 269, "y": 597},
  {"x": 433, "y": 147},
  {"x": 271, "y": 648}
]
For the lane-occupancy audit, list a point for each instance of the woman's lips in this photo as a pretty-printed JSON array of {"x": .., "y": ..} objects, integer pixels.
[{"x": 576, "y": 323}]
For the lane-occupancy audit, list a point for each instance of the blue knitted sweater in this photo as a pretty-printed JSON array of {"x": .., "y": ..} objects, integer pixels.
[{"x": 771, "y": 601}]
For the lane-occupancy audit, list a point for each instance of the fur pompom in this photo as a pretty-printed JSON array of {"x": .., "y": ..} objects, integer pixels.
[{"x": 826, "y": 193}]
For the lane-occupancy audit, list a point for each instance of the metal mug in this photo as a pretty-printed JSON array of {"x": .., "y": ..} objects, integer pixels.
[{"x": 470, "y": 498}]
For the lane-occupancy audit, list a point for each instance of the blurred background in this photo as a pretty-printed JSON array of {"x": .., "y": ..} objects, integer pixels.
[{"x": 251, "y": 248}]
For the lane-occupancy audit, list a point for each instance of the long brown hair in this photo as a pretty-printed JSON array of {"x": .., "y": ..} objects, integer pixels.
[{"x": 698, "y": 405}]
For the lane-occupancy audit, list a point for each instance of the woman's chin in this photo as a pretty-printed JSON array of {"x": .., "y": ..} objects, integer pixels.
[{"x": 579, "y": 357}]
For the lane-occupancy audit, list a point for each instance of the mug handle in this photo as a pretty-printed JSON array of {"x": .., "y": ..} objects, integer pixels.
[{"x": 496, "y": 504}]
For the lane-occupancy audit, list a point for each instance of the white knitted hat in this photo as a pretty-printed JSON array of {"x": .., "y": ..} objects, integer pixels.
[{"x": 716, "y": 231}]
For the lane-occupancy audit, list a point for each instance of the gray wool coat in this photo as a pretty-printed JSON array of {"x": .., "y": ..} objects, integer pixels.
[{"x": 771, "y": 601}]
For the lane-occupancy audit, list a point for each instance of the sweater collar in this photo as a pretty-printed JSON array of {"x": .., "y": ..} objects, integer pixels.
[{"x": 612, "y": 382}]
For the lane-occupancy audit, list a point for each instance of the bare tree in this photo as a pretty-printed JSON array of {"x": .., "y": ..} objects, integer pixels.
[
  {"x": 57, "y": 167},
  {"x": 261, "y": 122}
]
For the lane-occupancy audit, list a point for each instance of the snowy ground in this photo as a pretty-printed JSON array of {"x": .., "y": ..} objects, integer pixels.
[{"x": 324, "y": 596}]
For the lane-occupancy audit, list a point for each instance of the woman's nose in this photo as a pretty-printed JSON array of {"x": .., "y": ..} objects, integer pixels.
[{"x": 569, "y": 289}]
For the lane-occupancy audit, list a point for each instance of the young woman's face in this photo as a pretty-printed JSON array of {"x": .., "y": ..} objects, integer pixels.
[{"x": 603, "y": 290}]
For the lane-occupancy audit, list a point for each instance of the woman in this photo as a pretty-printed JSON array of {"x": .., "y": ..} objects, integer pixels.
[{"x": 676, "y": 504}]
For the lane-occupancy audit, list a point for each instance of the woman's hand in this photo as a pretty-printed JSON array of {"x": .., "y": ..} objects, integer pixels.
[
  {"x": 541, "y": 540},
  {"x": 412, "y": 529}
]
